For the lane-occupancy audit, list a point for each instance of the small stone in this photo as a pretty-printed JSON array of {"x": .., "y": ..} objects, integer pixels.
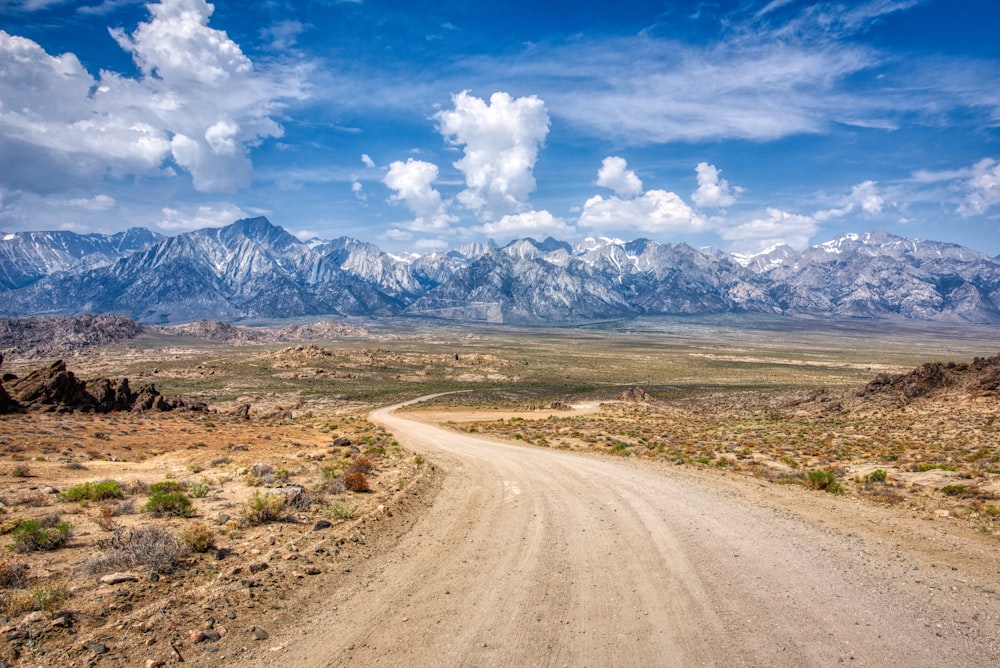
[
  {"x": 152, "y": 663},
  {"x": 61, "y": 622},
  {"x": 118, "y": 578},
  {"x": 196, "y": 635},
  {"x": 312, "y": 570},
  {"x": 221, "y": 519},
  {"x": 98, "y": 647},
  {"x": 259, "y": 633},
  {"x": 322, "y": 524},
  {"x": 258, "y": 566},
  {"x": 35, "y": 617}
]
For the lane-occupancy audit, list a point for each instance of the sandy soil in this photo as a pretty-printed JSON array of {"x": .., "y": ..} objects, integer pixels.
[{"x": 539, "y": 557}]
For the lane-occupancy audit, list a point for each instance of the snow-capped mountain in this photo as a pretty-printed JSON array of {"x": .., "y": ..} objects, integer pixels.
[
  {"x": 26, "y": 257},
  {"x": 255, "y": 269}
]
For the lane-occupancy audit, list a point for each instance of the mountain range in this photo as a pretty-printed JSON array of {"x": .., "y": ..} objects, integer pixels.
[{"x": 254, "y": 269}]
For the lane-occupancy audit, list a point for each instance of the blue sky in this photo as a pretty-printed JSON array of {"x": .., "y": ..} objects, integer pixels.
[{"x": 422, "y": 125}]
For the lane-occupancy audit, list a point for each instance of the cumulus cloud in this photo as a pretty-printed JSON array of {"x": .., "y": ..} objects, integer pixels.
[
  {"x": 713, "y": 191},
  {"x": 615, "y": 174},
  {"x": 198, "y": 101},
  {"x": 983, "y": 186},
  {"x": 527, "y": 224},
  {"x": 655, "y": 212},
  {"x": 412, "y": 182},
  {"x": 864, "y": 196},
  {"x": 500, "y": 141},
  {"x": 367, "y": 161},
  {"x": 778, "y": 227}
]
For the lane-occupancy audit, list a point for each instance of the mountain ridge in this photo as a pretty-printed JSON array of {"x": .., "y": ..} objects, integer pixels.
[{"x": 255, "y": 269}]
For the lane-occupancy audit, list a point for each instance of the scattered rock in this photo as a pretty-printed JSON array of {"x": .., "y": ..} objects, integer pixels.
[
  {"x": 636, "y": 394},
  {"x": 117, "y": 578},
  {"x": 259, "y": 633},
  {"x": 98, "y": 647},
  {"x": 322, "y": 524}
]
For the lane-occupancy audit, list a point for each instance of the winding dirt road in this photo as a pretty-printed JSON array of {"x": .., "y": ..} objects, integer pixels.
[{"x": 536, "y": 557}]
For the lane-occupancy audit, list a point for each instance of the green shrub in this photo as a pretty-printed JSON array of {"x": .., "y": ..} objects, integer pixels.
[
  {"x": 263, "y": 508},
  {"x": 955, "y": 490},
  {"x": 176, "y": 504},
  {"x": 823, "y": 480},
  {"x": 199, "y": 488},
  {"x": 94, "y": 491},
  {"x": 33, "y": 535},
  {"x": 878, "y": 475},
  {"x": 341, "y": 510},
  {"x": 166, "y": 486}
]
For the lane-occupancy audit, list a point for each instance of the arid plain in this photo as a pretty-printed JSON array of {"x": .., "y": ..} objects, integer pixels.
[{"x": 235, "y": 533}]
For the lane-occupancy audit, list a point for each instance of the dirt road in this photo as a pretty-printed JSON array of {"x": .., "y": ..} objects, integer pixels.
[{"x": 536, "y": 557}]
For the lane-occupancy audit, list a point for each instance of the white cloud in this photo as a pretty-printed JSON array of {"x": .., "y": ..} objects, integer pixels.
[
  {"x": 95, "y": 203},
  {"x": 713, "y": 191},
  {"x": 396, "y": 234},
  {"x": 367, "y": 161},
  {"x": 865, "y": 195},
  {"x": 283, "y": 35},
  {"x": 177, "y": 220},
  {"x": 198, "y": 100},
  {"x": 615, "y": 174},
  {"x": 500, "y": 141},
  {"x": 527, "y": 224},
  {"x": 412, "y": 180},
  {"x": 983, "y": 187},
  {"x": 359, "y": 191},
  {"x": 778, "y": 227},
  {"x": 655, "y": 212}
]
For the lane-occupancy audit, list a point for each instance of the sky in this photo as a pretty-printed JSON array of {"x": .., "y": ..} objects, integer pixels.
[{"x": 422, "y": 125}]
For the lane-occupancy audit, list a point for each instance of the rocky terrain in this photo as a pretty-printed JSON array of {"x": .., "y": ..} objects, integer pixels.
[
  {"x": 254, "y": 269},
  {"x": 47, "y": 336}
]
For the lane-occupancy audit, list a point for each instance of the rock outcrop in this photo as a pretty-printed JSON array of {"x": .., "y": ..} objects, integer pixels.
[{"x": 54, "y": 388}]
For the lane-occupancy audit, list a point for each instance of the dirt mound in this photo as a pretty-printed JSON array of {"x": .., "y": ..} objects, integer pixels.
[
  {"x": 54, "y": 388},
  {"x": 45, "y": 336},
  {"x": 980, "y": 377}
]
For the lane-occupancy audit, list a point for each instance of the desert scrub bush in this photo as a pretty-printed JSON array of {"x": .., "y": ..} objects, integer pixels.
[
  {"x": 878, "y": 475},
  {"x": 199, "y": 488},
  {"x": 340, "y": 510},
  {"x": 791, "y": 463},
  {"x": 418, "y": 460},
  {"x": 94, "y": 491},
  {"x": 104, "y": 516},
  {"x": 20, "y": 471},
  {"x": 165, "y": 487},
  {"x": 823, "y": 480},
  {"x": 44, "y": 596},
  {"x": 263, "y": 508},
  {"x": 361, "y": 464},
  {"x": 169, "y": 504},
  {"x": 356, "y": 481},
  {"x": 128, "y": 548},
  {"x": 198, "y": 537},
  {"x": 955, "y": 490},
  {"x": 44, "y": 534},
  {"x": 13, "y": 574}
]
